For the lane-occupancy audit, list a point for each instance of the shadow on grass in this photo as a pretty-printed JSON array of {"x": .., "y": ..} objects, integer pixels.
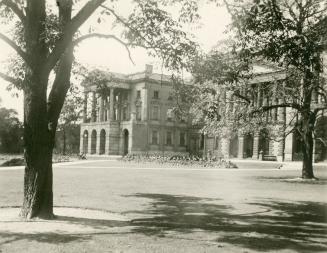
[
  {"x": 264, "y": 225},
  {"x": 61, "y": 236},
  {"x": 300, "y": 226},
  {"x": 294, "y": 180}
]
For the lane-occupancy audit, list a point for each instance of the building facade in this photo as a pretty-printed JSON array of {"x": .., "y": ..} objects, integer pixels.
[
  {"x": 135, "y": 116},
  {"x": 278, "y": 143}
]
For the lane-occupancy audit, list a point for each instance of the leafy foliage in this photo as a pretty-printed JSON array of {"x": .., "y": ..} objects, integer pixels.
[
  {"x": 10, "y": 131},
  {"x": 152, "y": 27},
  {"x": 286, "y": 34},
  {"x": 72, "y": 109}
]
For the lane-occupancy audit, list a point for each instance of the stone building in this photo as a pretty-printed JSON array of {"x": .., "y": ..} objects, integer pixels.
[
  {"x": 135, "y": 116},
  {"x": 265, "y": 145}
]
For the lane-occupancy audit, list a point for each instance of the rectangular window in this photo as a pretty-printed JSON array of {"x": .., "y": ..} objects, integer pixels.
[
  {"x": 138, "y": 112},
  {"x": 115, "y": 114},
  {"x": 138, "y": 94},
  {"x": 155, "y": 113},
  {"x": 217, "y": 143},
  {"x": 155, "y": 137},
  {"x": 202, "y": 141},
  {"x": 182, "y": 139},
  {"x": 169, "y": 138},
  {"x": 170, "y": 114},
  {"x": 156, "y": 94},
  {"x": 125, "y": 115}
]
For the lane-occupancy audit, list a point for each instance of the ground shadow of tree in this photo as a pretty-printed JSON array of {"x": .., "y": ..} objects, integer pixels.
[
  {"x": 100, "y": 226},
  {"x": 300, "y": 226}
]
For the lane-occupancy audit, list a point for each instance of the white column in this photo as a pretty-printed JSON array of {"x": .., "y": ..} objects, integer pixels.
[
  {"x": 256, "y": 146},
  {"x": 81, "y": 142},
  {"x": 101, "y": 112},
  {"x": 225, "y": 143},
  {"x": 94, "y": 101},
  {"x": 288, "y": 150},
  {"x": 111, "y": 104},
  {"x": 145, "y": 104},
  {"x": 85, "y": 107},
  {"x": 89, "y": 146},
  {"x": 97, "y": 151}
]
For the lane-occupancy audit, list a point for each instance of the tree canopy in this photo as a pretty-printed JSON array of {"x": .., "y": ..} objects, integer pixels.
[{"x": 289, "y": 37}]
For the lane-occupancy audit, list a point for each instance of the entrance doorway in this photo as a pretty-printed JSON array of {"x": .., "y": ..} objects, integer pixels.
[
  {"x": 85, "y": 141},
  {"x": 93, "y": 142},
  {"x": 126, "y": 137},
  {"x": 248, "y": 146},
  {"x": 233, "y": 146},
  {"x": 264, "y": 142}
]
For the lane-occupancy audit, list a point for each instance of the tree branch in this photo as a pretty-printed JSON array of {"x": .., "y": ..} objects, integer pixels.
[
  {"x": 105, "y": 36},
  {"x": 237, "y": 94},
  {"x": 69, "y": 31},
  {"x": 289, "y": 6},
  {"x": 270, "y": 107},
  {"x": 320, "y": 108},
  {"x": 127, "y": 25},
  {"x": 15, "y": 9},
  {"x": 18, "y": 50},
  {"x": 9, "y": 79}
]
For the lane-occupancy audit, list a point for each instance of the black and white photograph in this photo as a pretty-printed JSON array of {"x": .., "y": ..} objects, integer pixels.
[{"x": 163, "y": 126}]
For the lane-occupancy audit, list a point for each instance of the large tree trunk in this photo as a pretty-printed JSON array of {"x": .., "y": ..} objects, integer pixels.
[
  {"x": 308, "y": 120},
  {"x": 307, "y": 129},
  {"x": 38, "y": 196},
  {"x": 307, "y": 150}
]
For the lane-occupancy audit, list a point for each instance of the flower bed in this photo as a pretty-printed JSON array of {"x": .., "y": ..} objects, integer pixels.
[{"x": 178, "y": 160}]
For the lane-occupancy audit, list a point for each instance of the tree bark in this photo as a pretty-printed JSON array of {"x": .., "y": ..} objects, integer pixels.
[
  {"x": 41, "y": 114},
  {"x": 307, "y": 126},
  {"x": 38, "y": 146},
  {"x": 308, "y": 121}
]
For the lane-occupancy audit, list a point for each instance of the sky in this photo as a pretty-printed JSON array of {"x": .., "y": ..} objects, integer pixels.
[{"x": 109, "y": 54}]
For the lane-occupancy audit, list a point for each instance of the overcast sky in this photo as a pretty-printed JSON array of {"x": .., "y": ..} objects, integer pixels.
[{"x": 108, "y": 54}]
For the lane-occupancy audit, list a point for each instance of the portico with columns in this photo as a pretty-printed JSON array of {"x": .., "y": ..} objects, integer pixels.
[
  {"x": 258, "y": 144},
  {"x": 132, "y": 115}
]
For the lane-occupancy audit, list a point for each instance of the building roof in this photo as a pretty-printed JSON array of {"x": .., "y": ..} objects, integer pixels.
[{"x": 125, "y": 80}]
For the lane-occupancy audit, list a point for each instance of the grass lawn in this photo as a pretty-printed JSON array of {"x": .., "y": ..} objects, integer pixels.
[{"x": 174, "y": 210}]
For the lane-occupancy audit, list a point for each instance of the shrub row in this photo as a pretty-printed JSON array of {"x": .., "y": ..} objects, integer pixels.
[{"x": 178, "y": 160}]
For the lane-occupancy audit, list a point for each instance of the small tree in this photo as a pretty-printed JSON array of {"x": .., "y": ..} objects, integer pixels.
[
  {"x": 11, "y": 131},
  {"x": 70, "y": 116}
]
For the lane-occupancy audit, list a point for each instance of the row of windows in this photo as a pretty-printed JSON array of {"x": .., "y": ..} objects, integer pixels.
[
  {"x": 155, "y": 114},
  {"x": 155, "y": 95},
  {"x": 169, "y": 138}
]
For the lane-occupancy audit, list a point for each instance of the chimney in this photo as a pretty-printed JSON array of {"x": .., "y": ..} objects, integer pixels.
[{"x": 148, "y": 69}]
